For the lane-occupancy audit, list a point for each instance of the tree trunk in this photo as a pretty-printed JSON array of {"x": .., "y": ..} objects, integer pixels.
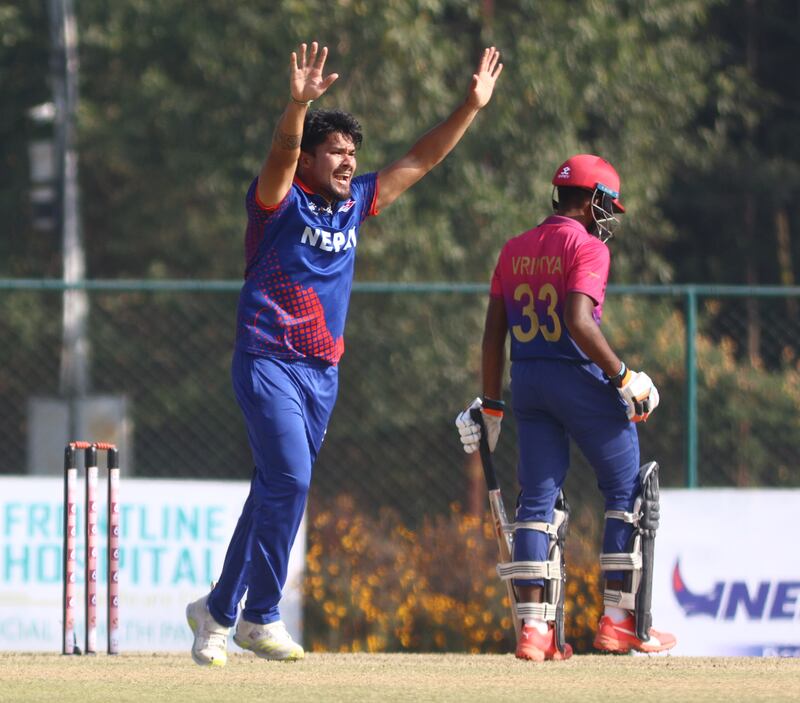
[
  {"x": 751, "y": 246},
  {"x": 785, "y": 258}
]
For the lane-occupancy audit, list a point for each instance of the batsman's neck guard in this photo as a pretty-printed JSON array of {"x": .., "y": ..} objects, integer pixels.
[
  {"x": 552, "y": 572},
  {"x": 637, "y": 562}
]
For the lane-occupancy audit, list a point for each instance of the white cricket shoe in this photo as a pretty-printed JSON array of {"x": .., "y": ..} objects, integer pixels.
[
  {"x": 210, "y": 646},
  {"x": 271, "y": 641}
]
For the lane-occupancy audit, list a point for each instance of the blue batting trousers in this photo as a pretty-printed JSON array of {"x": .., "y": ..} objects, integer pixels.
[
  {"x": 286, "y": 407},
  {"x": 554, "y": 401}
]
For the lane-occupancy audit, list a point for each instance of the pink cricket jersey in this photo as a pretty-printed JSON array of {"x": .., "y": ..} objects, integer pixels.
[{"x": 535, "y": 271}]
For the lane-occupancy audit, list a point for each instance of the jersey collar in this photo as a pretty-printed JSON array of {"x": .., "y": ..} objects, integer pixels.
[
  {"x": 303, "y": 186},
  {"x": 564, "y": 221},
  {"x": 328, "y": 206}
]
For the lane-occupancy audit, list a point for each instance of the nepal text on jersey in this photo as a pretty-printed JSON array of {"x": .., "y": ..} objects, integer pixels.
[{"x": 329, "y": 241}]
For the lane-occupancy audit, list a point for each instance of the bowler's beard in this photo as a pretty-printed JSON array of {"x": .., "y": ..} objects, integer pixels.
[{"x": 337, "y": 191}]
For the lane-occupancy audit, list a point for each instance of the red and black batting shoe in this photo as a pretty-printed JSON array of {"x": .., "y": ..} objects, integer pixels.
[
  {"x": 534, "y": 646},
  {"x": 620, "y": 638}
]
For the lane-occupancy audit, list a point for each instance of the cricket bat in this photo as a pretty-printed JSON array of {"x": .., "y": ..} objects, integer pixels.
[{"x": 498, "y": 511}]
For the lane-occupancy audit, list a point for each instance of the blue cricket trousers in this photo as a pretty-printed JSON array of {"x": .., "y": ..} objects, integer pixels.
[
  {"x": 554, "y": 401},
  {"x": 286, "y": 406}
]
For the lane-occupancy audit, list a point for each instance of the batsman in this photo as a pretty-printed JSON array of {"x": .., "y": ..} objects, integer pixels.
[{"x": 547, "y": 294}]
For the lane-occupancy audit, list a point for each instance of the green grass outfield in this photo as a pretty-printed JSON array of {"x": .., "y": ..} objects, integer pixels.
[{"x": 349, "y": 678}]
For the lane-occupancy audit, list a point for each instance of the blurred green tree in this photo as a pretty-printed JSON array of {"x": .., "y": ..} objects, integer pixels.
[
  {"x": 24, "y": 66},
  {"x": 178, "y": 101},
  {"x": 737, "y": 196}
]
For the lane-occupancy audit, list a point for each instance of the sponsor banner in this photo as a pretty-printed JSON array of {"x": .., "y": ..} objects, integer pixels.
[
  {"x": 174, "y": 535},
  {"x": 726, "y": 580}
]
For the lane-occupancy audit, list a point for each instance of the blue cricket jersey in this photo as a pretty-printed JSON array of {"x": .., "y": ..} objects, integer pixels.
[{"x": 300, "y": 257}]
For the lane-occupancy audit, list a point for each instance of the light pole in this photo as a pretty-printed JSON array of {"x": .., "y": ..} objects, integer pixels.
[{"x": 74, "y": 372}]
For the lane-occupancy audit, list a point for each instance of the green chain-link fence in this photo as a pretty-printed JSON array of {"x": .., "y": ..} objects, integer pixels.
[{"x": 729, "y": 401}]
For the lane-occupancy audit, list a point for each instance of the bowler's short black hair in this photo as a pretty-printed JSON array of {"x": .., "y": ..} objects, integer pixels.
[{"x": 320, "y": 123}]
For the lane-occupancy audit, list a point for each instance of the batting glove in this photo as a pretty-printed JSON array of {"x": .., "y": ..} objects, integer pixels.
[
  {"x": 470, "y": 431},
  {"x": 639, "y": 393}
]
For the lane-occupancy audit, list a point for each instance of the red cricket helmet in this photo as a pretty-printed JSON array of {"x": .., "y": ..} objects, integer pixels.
[
  {"x": 592, "y": 173},
  {"x": 597, "y": 176}
]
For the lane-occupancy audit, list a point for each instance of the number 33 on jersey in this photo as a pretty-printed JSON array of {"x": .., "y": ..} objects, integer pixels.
[{"x": 534, "y": 274}]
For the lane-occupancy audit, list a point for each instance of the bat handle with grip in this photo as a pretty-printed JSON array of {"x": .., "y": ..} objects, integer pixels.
[{"x": 486, "y": 455}]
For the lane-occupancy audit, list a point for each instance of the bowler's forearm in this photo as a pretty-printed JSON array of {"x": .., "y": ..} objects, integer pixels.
[
  {"x": 277, "y": 171},
  {"x": 289, "y": 131},
  {"x": 433, "y": 146}
]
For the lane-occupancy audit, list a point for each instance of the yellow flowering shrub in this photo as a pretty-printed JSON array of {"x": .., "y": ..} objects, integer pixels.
[{"x": 373, "y": 585}]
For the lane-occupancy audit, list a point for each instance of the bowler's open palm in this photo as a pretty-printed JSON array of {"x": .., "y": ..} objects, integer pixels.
[
  {"x": 483, "y": 80},
  {"x": 306, "y": 79}
]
